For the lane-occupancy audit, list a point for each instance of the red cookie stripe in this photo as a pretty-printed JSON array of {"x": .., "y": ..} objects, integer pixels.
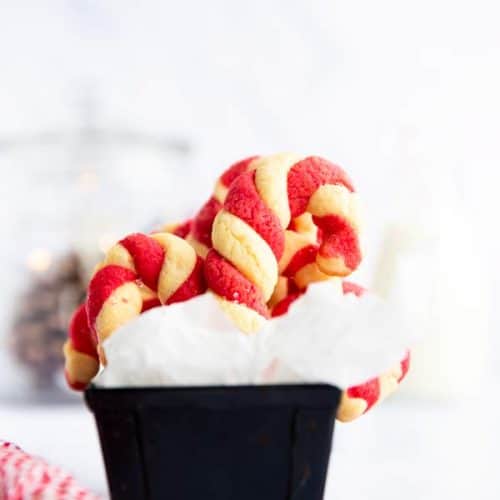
[
  {"x": 244, "y": 201},
  {"x": 235, "y": 170},
  {"x": 102, "y": 285},
  {"x": 283, "y": 306},
  {"x": 350, "y": 287},
  {"x": 341, "y": 240},
  {"x": 80, "y": 335},
  {"x": 227, "y": 282},
  {"x": 193, "y": 286},
  {"x": 293, "y": 225},
  {"x": 182, "y": 230},
  {"x": 148, "y": 257},
  {"x": 202, "y": 224},
  {"x": 150, "y": 304},
  {"x": 306, "y": 176},
  {"x": 301, "y": 258},
  {"x": 75, "y": 385},
  {"x": 405, "y": 366},
  {"x": 369, "y": 391}
]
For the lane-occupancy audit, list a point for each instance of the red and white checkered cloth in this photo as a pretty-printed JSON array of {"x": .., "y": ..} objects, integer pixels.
[{"x": 24, "y": 477}]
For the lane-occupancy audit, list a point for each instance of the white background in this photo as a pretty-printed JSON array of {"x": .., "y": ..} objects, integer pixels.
[{"x": 403, "y": 94}]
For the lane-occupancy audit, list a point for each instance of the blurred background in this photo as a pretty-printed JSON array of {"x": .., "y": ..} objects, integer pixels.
[{"x": 117, "y": 116}]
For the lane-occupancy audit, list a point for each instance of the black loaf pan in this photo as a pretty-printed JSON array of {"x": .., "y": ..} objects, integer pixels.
[{"x": 216, "y": 443}]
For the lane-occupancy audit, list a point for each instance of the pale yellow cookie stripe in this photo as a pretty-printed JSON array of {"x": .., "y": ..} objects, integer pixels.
[
  {"x": 333, "y": 266},
  {"x": 304, "y": 224},
  {"x": 335, "y": 199},
  {"x": 294, "y": 242},
  {"x": 389, "y": 382},
  {"x": 350, "y": 408},
  {"x": 118, "y": 255},
  {"x": 179, "y": 263},
  {"x": 241, "y": 245},
  {"x": 280, "y": 292},
  {"x": 310, "y": 273},
  {"x": 80, "y": 368},
  {"x": 246, "y": 319},
  {"x": 271, "y": 181},
  {"x": 124, "y": 304},
  {"x": 201, "y": 249}
]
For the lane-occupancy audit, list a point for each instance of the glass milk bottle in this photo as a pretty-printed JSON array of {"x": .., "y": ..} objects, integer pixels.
[{"x": 430, "y": 268}]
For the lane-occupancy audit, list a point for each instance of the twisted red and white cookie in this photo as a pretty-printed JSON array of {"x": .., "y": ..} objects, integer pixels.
[
  {"x": 302, "y": 237},
  {"x": 80, "y": 352},
  {"x": 141, "y": 272},
  {"x": 267, "y": 215},
  {"x": 249, "y": 233},
  {"x": 358, "y": 399},
  {"x": 138, "y": 273}
]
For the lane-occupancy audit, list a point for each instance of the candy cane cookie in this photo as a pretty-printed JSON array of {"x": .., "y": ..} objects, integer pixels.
[
  {"x": 248, "y": 241},
  {"x": 357, "y": 400},
  {"x": 249, "y": 232},
  {"x": 301, "y": 238},
  {"x": 138, "y": 273},
  {"x": 323, "y": 190},
  {"x": 80, "y": 352},
  {"x": 141, "y": 272}
]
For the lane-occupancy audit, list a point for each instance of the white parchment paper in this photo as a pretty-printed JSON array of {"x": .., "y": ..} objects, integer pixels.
[{"x": 325, "y": 337}]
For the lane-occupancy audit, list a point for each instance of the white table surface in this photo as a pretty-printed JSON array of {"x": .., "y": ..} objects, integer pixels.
[{"x": 403, "y": 450}]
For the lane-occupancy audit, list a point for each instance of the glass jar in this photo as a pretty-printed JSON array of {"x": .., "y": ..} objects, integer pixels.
[{"x": 66, "y": 197}]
